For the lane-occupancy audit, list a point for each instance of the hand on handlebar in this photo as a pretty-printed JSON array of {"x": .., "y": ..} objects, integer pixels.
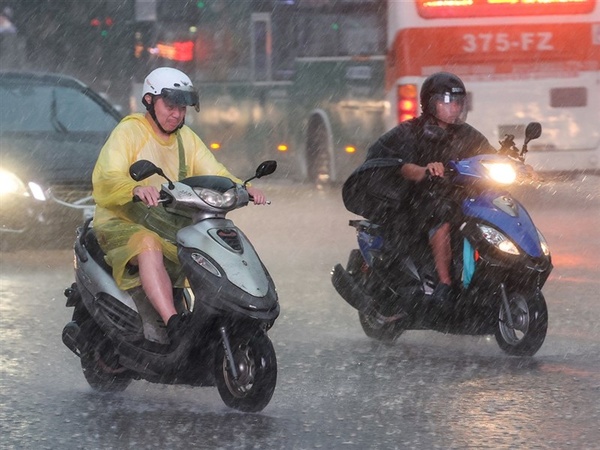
[
  {"x": 257, "y": 196},
  {"x": 435, "y": 169},
  {"x": 147, "y": 194}
]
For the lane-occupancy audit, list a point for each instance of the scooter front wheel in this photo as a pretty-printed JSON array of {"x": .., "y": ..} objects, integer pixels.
[
  {"x": 525, "y": 331},
  {"x": 256, "y": 366}
]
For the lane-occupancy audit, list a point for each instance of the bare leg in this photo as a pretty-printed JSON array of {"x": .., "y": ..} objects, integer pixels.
[
  {"x": 442, "y": 252},
  {"x": 156, "y": 283}
]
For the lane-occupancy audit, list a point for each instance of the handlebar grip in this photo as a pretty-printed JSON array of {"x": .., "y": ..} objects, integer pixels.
[
  {"x": 251, "y": 199},
  {"x": 163, "y": 198}
]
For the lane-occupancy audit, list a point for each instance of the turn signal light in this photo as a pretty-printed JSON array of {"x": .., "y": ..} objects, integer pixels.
[{"x": 407, "y": 102}]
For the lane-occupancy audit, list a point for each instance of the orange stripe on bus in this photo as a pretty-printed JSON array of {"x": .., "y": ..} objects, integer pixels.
[{"x": 493, "y": 49}]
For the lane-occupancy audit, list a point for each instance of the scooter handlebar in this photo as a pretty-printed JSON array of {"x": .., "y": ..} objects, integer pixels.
[
  {"x": 268, "y": 202},
  {"x": 163, "y": 198}
]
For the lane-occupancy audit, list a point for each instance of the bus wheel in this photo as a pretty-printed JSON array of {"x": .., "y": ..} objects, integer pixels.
[{"x": 318, "y": 160}]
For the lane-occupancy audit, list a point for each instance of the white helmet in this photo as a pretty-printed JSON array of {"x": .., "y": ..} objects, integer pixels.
[{"x": 171, "y": 84}]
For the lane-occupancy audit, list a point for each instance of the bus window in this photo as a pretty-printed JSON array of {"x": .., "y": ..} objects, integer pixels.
[
  {"x": 261, "y": 47},
  {"x": 322, "y": 34}
]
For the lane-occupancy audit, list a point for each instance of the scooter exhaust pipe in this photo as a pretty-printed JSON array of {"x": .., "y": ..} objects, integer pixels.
[{"x": 348, "y": 290}]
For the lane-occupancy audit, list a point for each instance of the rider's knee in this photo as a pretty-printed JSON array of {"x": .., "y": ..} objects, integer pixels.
[{"x": 145, "y": 242}]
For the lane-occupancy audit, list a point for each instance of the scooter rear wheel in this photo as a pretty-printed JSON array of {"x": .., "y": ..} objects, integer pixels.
[
  {"x": 379, "y": 330},
  {"x": 256, "y": 364},
  {"x": 529, "y": 315},
  {"x": 101, "y": 377},
  {"x": 98, "y": 363}
]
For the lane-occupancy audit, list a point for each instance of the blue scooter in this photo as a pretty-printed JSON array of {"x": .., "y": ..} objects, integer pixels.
[{"x": 500, "y": 262}]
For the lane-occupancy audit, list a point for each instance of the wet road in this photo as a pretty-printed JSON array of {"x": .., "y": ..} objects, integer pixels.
[{"x": 336, "y": 388}]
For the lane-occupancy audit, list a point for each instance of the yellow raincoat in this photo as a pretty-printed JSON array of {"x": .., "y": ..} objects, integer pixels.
[{"x": 119, "y": 236}]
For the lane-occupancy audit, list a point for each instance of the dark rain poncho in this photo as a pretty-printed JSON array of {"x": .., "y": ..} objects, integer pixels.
[{"x": 377, "y": 191}]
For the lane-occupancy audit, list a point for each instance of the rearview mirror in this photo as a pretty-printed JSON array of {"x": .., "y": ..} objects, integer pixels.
[
  {"x": 533, "y": 131},
  {"x": 265, "y": 168},
  {"x": 140, "y": 170}
]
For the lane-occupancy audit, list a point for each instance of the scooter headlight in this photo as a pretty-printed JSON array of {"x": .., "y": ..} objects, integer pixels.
[
  {"x": 216, "y": 199},
  {"x": 503, "y": 173},
  {"x": 543, "y": 243},
  {"x": 498, "y": 240}
]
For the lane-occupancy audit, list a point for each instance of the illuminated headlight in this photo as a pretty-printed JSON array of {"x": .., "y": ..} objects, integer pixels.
[
  {"x": 498, "y": 240},
  {"x": 503, "y": 173},
  {"x": 543, "y": 244},
  {"x": 10, "y": 184},
  {"x": 37, "y": 191},
  {"x": 217, "y": 199},
  {"x": 205, "y": 264}
]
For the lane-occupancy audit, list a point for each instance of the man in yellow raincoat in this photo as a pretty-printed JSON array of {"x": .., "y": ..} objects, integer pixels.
[{"x": 159, "y": 136}]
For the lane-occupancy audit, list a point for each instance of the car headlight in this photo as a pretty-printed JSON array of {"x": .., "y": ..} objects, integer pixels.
[
  {"x": 10, "y": 184},
  {"x": 498, "y": 240},
  {"x": 503, "y": 173},
  {"x": 37, "y": 191},
  {"x": 543, "y": 244}
]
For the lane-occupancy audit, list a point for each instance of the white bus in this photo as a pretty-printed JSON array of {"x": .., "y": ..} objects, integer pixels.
[{"x": 521, "y": 61}]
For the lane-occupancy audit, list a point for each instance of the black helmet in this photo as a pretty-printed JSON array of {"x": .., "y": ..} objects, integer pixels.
[{"x": 446, "y": 88}]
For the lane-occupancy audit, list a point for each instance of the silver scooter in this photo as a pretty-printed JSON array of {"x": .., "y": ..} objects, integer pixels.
[{"x": 231, "y": 303}]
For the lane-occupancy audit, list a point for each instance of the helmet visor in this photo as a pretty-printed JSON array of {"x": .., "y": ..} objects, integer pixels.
[
  {"x": 180, "y": 98},
  {"x": 450, "y": 108}
]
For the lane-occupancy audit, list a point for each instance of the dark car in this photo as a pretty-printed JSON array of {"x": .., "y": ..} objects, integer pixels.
[{"x": 52, "y": 128}]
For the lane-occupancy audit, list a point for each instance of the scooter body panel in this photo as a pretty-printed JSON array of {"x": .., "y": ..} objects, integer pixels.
[
  {"x": 508, "y": 216},
  {"x": 219, "y": 296},
  {"x": 94, "y": 279},
  {"x": 231, "y": 250}
]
